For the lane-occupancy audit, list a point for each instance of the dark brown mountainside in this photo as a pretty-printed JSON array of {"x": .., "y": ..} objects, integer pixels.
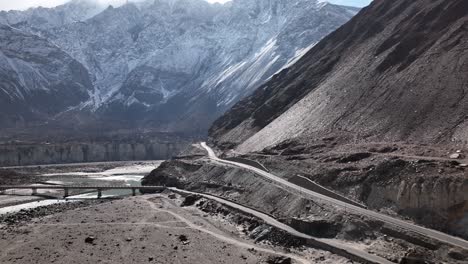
[{"x": 396, "y": 71}]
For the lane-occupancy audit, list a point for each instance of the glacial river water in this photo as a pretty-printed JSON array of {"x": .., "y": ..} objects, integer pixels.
[{"x": 130, "y": 175}]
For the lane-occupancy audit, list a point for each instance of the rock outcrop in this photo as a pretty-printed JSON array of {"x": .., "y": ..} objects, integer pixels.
[{"x": 437, "y": 202}]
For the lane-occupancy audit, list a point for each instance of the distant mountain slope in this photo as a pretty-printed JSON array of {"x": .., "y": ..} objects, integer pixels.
[
  {"x": 40, "y": 19},
  {"x": 37, "y": 79},
  {"x": 176, "y": 65},
  {"x": 397, "y": 71}
]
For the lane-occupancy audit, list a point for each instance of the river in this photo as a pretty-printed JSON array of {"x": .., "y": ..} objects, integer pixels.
[{"x": 127, "y": 175}]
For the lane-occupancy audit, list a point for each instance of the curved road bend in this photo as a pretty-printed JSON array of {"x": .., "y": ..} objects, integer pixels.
[
  {"x": 273, "y": 222},
  {"x": 384, "y": 218}
]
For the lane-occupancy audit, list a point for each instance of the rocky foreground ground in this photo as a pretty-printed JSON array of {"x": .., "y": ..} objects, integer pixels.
[
  {"x": 144, "y": 229},
  {"x": 420, "y": 184},
  {"x": 391, "y": 178}
]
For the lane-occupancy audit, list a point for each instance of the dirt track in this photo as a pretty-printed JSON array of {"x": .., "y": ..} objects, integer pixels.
[{"x": 145, "y": 229}]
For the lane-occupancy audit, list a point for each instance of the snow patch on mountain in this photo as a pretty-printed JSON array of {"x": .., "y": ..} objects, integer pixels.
[{"x": 183, "y": 58}]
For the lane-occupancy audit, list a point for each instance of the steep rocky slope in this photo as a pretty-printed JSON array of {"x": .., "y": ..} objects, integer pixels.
[
  {"x": 38, "y": 80},
  {"x": 163, "y": 64},
  {"x": 375, "y": 111},
  {"x": 396, "y": 71}
]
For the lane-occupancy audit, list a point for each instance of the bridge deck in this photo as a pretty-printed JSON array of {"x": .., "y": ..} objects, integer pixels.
[{"x": 7, "y": 187}]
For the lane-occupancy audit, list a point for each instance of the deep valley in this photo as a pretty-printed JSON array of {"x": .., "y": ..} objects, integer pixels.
[{"x": 250, "y": 131}]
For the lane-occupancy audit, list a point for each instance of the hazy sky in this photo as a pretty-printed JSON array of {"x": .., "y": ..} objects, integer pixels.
[{"x": 24, "y": 4}]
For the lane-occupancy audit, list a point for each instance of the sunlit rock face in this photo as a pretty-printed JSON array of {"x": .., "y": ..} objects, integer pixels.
[{"x": 176, "y": 65}]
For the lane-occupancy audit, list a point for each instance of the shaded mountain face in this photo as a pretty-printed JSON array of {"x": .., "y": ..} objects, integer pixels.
[
  {"x": 396, "y": 71},
  {"x": 38, "y": 80},
  {"x": 177, "y": 65}
]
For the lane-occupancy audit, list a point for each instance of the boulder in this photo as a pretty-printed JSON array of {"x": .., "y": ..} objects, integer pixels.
[
  {"x": 90, "y": 240},
  {"x": 279, "y": 260},
  {"x": 456, "y": 156}
]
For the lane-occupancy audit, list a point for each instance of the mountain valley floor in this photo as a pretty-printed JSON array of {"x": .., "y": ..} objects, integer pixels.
[{"x": 144, "y": 229}]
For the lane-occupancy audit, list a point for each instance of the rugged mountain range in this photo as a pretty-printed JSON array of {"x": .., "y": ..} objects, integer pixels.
[
  {"x": 175, "y": 65},
  {"x": 38, "y": 80},
  {"x": 37, "y": 19},
  {"x": 398, "y": 71}
]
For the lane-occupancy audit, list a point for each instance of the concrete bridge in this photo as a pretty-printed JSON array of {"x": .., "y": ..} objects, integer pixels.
[{"x": 67, "y": 189}]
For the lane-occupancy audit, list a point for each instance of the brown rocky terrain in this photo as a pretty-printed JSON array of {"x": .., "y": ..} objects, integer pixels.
[
  {"x": 149, "y": 229},
  {"x": 376, "y": 112},
  {"x": 421, "y": 183},
  {"x": 311, "y": 216},
  {"x": 396, "y": 72}
]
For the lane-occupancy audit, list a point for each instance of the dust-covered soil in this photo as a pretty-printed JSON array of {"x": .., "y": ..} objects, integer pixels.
[{"x": 144, "y": 229}]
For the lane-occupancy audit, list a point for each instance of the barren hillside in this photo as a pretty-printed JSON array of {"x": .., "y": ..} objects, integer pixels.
[{"x": 397, "y": 71}]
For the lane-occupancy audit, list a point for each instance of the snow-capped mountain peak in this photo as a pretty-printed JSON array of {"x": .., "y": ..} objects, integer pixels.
[{"x": 165, "y": 63}]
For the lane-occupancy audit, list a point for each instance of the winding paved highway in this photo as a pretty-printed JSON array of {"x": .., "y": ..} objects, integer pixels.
[{"x": 384, "y": 218}]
